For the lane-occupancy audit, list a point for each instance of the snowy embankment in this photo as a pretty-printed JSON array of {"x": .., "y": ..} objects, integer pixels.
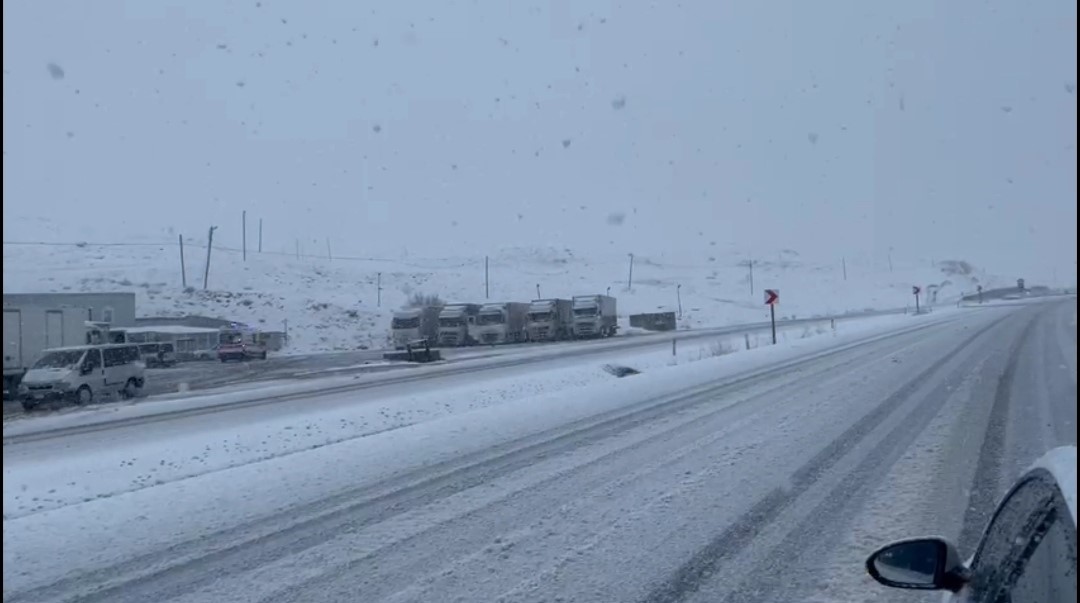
[
  {"x": 346, "y": 303},
  {"x": 115, "y": 502}
]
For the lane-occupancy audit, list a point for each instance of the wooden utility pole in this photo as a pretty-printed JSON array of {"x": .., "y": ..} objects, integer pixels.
[
  {"x": 243, "y": 236},
  {"x": 260, "y": 235},
  {"x": 750, "y": 262},
  {"x": 843, "y": 262},
  {"x": 486, "y": 289},
  {"x": 209, "y": 246},
  {"x": 630, "y": 277},
  {"x": 378, "y": 290},
  {"x": 183, "y": 270}
]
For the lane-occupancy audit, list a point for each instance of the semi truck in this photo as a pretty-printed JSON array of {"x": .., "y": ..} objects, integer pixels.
[
  {"x": 30, "y": 329},
  {"x": 454, "y": 321},
  {"x": 500, "y": 323},
  {"x": 415, "y": 324},
  {"x": 594, "y": 316},
  {"x": 550, "y": 319}
]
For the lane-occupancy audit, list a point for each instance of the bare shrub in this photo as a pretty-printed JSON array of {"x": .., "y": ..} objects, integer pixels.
[{"x": 423, "y": 300}]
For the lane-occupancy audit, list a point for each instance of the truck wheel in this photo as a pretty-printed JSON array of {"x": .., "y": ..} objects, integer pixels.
[
  {"x": 84, "y": 396},
  {"x": 131, "y": 390}
]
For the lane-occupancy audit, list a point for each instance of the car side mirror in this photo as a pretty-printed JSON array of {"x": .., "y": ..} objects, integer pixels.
[
  {"x": 920, "y": 564},
  {"x": 86, "y": 369}
]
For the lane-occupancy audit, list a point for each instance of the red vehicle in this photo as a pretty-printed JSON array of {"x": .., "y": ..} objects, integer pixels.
[{"x": 234, "y": 347}]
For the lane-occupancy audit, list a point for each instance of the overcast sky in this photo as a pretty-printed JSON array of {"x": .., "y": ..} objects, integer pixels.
[{"x": 942, "y": 129}]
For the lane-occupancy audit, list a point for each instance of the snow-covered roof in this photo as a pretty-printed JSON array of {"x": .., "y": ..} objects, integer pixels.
[{"x": 174, "y": 329}]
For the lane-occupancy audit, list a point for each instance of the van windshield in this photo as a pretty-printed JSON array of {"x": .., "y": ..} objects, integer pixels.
[{"x": 64, "y": 359}]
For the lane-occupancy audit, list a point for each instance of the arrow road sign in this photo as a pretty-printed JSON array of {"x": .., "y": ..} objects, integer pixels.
[
  {"x": 916, "y": 290},
  {"x": 772, "y": 297}
]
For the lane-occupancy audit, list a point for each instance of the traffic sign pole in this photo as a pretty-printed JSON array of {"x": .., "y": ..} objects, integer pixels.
[
  {"x": 772, "y": 297},
  {"x": 772, "y": 314},
  {"x": 916, "y": 290}
]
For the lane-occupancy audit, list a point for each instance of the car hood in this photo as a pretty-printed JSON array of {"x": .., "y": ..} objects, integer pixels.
[{"x": 47, "y": 375}]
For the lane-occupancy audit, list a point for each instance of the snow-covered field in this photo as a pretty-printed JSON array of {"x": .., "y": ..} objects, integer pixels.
[{"x": 334, "y": 304}]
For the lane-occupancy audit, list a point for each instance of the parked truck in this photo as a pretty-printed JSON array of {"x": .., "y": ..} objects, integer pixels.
[
  {"x": 500, "y": 323},
  {"x": 550, "y": 320},
  {"x": 594, "y": 316},
  {"x": 30, "y": 329},
  {"x": 454, "y": 321},
  {"x": 415, "y": 324}
]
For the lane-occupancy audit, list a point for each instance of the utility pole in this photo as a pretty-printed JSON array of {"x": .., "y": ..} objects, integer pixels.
[
  {"x": 538, "y": 291},
  {"x": 329, "y": 255},
  {"x": 750, "y": 262},
  {"x": 890, "y": 259},
  {"x": 243, "y": 235},
  {"x": 183, "y": 270},
  {"x": 843, "y": 262},
  {"x": 608, "y": 291},
  {"x": 378, "y": 289},
  {"x": 209, "y": 246},
  {"x": 486, "y": 290},
  {"x": 678, "y": 296},
  {"x": 285, "y": 323},
  {"x": 630, "y": 278},
  {"x": 298, "y": 249},
  {"x": 260, "y": 235}
]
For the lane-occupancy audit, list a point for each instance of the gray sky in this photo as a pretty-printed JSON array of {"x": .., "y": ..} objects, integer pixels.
[{"x": 943, "y": 129}]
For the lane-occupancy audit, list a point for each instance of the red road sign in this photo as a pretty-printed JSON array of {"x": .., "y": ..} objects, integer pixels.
[
  {"x": 916, "y": 290},
  {"x": 772, "y": 297}
]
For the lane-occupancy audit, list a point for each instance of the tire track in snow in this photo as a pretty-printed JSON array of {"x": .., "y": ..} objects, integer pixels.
[
  {"x": 986, "y": 485},
  {"x": 697, "y": 570},
  {"x": 825, "y": 522}
]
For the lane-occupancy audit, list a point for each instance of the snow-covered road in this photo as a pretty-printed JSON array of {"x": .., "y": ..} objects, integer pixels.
[{"x": 751, "y": 477}]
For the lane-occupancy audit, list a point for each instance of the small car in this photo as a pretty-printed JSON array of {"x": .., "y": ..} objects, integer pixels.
[
  {"x": 240, "y": 350},
  {"x": 1027, "y": 552},
  {"x": 158, "y": 355}
]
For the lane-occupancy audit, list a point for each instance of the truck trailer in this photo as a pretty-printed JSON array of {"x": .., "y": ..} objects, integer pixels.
[
  {"x": 454, "y": 321},
  {"x": 30, "y": 329},
  {"x": 550, "y": 320},
  {"x": 414, "y": 325},
  {"x": 595, "y": 316},
  {"x": 500, "y": 323}
]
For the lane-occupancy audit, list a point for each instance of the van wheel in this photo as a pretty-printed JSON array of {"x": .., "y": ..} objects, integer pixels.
[
  {"x": 131, "y": 390},
  {"x": 84, "y": 396},
  {"x": 29, "y": 405}
]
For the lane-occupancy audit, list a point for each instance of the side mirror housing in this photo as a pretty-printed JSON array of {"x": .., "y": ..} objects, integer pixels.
[{"x": 920, "y": 564}]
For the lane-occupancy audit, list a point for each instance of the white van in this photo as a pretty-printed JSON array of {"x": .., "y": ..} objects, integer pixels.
[{"x": 81, "y": 373}]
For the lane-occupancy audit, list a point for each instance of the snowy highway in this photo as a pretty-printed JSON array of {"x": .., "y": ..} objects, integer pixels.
[{"x": 760, "y": 476}]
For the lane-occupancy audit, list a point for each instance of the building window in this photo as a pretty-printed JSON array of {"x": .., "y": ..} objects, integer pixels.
[{"x": 107, "y": 314}]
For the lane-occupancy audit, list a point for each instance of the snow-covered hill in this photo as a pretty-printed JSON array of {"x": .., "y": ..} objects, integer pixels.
[{"x": 334, "y": 304}]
